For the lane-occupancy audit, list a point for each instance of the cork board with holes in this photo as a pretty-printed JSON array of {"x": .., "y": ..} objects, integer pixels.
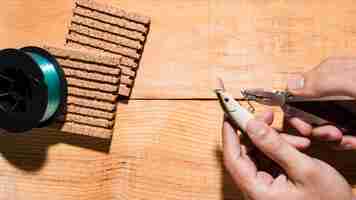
[
  {"x": 93, "y": 87},
  {"x": 105, "y": 28}
]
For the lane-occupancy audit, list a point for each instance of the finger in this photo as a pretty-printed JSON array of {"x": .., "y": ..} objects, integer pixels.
[
  {"x": 241, "y": 169},
  {"x": 266, "y": 116},
  {"x": 302, "y": 85},
  {"x": 265, "y": 177},
  {"x": 271, "y": 143},
  {"x": 347, "y": 143},
  {"x": 327, "y": 133},
  {"x": 280, "y": 181},
  {"x": 331, "y": 77},
  {"x": 303, "y": 128},
  {"x": 231, "y": 142},
  {"x": 296, "y": 141},
  {"x": 310, "y": 84}
]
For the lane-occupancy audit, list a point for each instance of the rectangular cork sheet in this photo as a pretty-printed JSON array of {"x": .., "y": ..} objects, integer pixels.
[
  {"x": 93, "y": 82},
  {"x": 104, "y": 28}
]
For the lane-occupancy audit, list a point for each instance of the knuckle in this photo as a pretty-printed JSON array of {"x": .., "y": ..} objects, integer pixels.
[
  {"x": 333, "y": 129},
  {"x": 272, "y": 194},
  {"x": 313, "y": 84},
  {"x": 260, "y": 191},
  {"x": 270, "y": 139},
  {"x": 274, "y": 145},
  {"x": 307, "y": 128},
  {"x": 309, "y": 171},
  {"x": 301, "y": 194},
  {"x": 230, "y": 162},
  {"x": 227, "y": 161},
  {"x": 229, "y": 166},
  {"x": 333, "y": 59},
  {"x": 263, "y": 133}
]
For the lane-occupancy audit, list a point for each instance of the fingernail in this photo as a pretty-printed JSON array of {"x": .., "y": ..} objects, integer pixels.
[
  {"x": 347, "y": 146},
  {"x": 295, "y": 82},
  {"x": 226, "y": 124},
  {"x": 256, "y": 127}
]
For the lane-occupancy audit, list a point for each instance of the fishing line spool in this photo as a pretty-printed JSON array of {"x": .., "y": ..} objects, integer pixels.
[{"x": 33, "y": 89}]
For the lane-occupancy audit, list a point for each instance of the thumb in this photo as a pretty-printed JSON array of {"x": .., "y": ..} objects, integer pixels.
[
  {"x": 275, "y": 147},
  {"x": 333, "y": 77},
  {"x": 305, "y": 85}
]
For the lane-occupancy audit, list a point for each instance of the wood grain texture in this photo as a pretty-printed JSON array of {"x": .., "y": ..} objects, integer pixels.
[
  {"x": 46, "y": 164},
  {"x": 176, "y": 154},
  {"x": 33, "y": 23},
  {"x": 164, "y": 149},
  {"x": 247, "y": 43},
  {"x": 170, "y": 149}
]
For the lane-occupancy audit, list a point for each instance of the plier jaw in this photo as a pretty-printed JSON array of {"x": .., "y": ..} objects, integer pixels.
[{"x": 272, "y": 98}]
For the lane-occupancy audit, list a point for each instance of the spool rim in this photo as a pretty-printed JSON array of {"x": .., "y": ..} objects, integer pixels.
[
  {"x": 36, "y": 93},
  {"x": 63, "y": 82},
  {"x": 15, "y": 63}
]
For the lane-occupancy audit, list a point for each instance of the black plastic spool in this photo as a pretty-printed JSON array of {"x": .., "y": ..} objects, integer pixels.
[{"x": 23, "y": 91}]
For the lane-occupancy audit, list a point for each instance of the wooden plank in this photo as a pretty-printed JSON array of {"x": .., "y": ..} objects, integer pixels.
[
  {"x": 34, "y": 23},
  {"x": 177, "y": 153},
  {"x": 174, "y": 154},
  {"x": 179, "y": 36},
  {"x": 247, "y": 43},
  {"x": 167, "y": 149},
  {"x": 47, "y": 164}
]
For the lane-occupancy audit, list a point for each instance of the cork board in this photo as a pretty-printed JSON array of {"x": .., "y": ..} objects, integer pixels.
[
  {"x": 93, "y": 87},
  {"x": 104, "y": 28}
]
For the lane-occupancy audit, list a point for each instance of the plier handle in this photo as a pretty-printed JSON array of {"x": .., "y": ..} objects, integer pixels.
[{"x": 318, "y": 112}]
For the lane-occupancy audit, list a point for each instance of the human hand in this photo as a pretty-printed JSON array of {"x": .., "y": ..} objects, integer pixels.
[
  {"x": 306, "y": 177},
  {"x": 333, "y": 77}
]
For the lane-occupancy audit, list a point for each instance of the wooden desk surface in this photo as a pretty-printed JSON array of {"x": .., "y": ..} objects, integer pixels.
[{"x": 170, "y": 149}]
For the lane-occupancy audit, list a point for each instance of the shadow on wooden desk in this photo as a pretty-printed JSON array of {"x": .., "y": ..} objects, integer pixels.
[
  {"x": 28, "y": 151},
  {"x": 229, "y": 190},
  {"x": 343, "y": 161}
]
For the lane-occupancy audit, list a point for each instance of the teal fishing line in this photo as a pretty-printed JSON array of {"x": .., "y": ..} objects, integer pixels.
[{"x": 52, "y": 81}]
